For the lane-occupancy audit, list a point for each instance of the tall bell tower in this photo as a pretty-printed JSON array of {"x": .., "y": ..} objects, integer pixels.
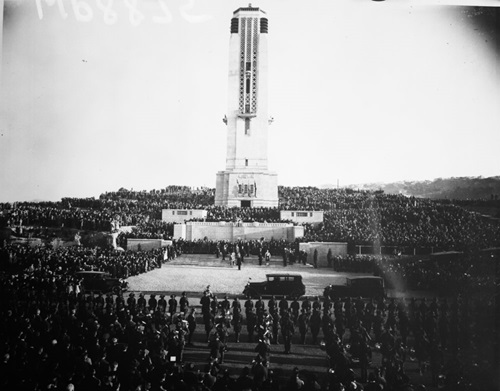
[{"x": 246, "y": 181}]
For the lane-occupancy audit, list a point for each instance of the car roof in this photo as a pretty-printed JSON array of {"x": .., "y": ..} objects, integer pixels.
[
  {"x": 283, "y": 275},
  {"x": 364, "y": 278}
]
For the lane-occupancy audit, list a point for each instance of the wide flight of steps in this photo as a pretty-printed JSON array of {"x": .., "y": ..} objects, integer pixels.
[{"x": 209, "y": 260}]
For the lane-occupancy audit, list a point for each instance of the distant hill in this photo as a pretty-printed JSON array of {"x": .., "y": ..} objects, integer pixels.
[{"x": 461, "y": 188}]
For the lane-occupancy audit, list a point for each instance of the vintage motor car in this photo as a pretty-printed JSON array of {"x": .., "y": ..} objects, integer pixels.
[
  {"x": 98, "y": 281},
  {"x": 278, "y": 284},
  {"x": 358, "y": 286}
]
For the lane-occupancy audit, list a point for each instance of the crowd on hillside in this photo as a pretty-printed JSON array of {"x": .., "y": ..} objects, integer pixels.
[{"x": 355, "y": 217}]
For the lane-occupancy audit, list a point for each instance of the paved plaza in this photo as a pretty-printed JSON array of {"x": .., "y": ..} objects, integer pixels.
[{"x": 193, "y": 272}]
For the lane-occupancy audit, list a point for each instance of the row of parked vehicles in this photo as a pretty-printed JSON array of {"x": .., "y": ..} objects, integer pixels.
[
  {"x": 276, "y": 284},
  {"x": 291, "y": 285}
]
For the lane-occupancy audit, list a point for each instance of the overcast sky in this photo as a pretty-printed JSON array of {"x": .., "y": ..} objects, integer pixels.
[{"x": 132, "y": 93}]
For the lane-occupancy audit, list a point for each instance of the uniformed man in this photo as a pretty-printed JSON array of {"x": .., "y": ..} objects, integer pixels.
[
  {"x": 236, "y": 305},
  {"x": 287, "y": 331},
  {"x": 248, "y": 306},
  {"x": 152, "y": 302},
  {"x": 303, "y": 322},
  {"x": 172, "y": 305},
  {"x": 131, "y": 302},
  {"x": 315, "y": 324},
  {"x": 295, "y": 307},
  {"x": 205, "y": 303},
  {"x": 225, "y": 304},
  {"x": 259, "y": 306},
  {"x": 191, "y": 319},
  {"x": 316, "y": 305},
  {"x": 283, "y": 305},
  {"x": 184, "y": 303},
  {"x": 162, "y": 303},
  {"x": 214, "y": 305},
  {"x": 236, "y": 323},
  {"x": 251, "y": 324},
  {"x": 306, "y": 305},
  {"x": 272, "y": 304}
]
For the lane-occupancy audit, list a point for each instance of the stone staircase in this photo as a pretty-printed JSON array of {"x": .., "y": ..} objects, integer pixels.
[{"x": 209, "y": 260}]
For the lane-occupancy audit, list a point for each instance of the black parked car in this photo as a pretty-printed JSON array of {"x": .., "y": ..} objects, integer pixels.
[
  {"x": 279, "y": 284},
  {"x": 363, "y": 286},
  {"x": 95, "y": 281}
]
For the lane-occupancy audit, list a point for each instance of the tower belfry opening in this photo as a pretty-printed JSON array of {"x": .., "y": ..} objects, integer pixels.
[{"x": 246, "y": 181}]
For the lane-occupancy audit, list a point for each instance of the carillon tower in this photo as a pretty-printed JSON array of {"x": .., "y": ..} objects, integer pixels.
[{"x": 246, "y": 181}]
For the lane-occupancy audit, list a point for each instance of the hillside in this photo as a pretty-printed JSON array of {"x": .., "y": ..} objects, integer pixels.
[{"x": 461, "y": 188}]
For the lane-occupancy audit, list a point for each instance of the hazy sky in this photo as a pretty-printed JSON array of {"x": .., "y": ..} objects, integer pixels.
[{"x": 102, "y": 94}]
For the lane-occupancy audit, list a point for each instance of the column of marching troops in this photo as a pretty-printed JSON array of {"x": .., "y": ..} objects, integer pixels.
[
  {"x": 264, "y": 323},
  {"x": 382, "y": 324}
]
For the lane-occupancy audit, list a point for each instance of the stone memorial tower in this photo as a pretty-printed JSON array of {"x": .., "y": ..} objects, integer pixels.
[{"x": 246, "y": 181}]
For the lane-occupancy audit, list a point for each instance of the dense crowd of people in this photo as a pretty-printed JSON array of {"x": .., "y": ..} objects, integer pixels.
[
  {"x": 56, "y": 336},
  {"x": 355, "y": 217}
]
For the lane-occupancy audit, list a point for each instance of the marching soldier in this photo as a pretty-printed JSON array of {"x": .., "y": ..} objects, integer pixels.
[
  {"x": 131, "y": 303},
  {"x": 208, "y": 321},
  {"x": 306, "y": 305},
  {"x": 303, "y": 321},
  {"x": 316, "y": 305},
  {"x": 283, "y": 305},
  {"x": 162, "y": 303},
  {"x": 248, "y": 306},
  {"x": 225, "y": 304},
  {"x": 287, "y": 331},
  {"x": 251, "y": 324},
  {"x": 295, "y": 307},
  {"x": 205, "y": 303},
  {"x": 172, "y": 305},
  {"x": 272, "y": 304},
  {"x": 184, "y": 303},
  {"x": 214, "y": 304},
  {"x": 259, "y": 306},
  {"x": 315, "y": 324},
  {"x": 141, "y": 302},
  {"x": 236, "y": 322},
  {"x": 152, "y": 302},
  {"x": 236, "y": 306},
  {"x": 191, "y": 319},
  {"x": 263, "y": 349},
  {"x": 275, "y": 327}
]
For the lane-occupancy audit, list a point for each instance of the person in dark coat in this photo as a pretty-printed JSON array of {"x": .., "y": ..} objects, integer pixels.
[
  {"x": 287, "y": 331},
  {"x": 315, "y": 324},
  {"x": 306, "y": 305},
  {"x": 191, "y": 319},
  {"x": 152, "y": 302},
  {"x": 283, "y": 305},
  {"x": 259, "y": 306},
  {"x": 205, "y": 303},
  {"x": 236, "y": 323},
  {"x": 162, "y": 303},
  {"x": 295, "y": 307},
  {"x": 172, "y": 305},
  {"x": 263, "y": 349},
  {"x": 184, "y": 303},
  {"x": 303, "y": 322},
  {"x": 251, "y": 323},
  {"x": 236, "y": 305},
  {"x": 248, "y": 306}
]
